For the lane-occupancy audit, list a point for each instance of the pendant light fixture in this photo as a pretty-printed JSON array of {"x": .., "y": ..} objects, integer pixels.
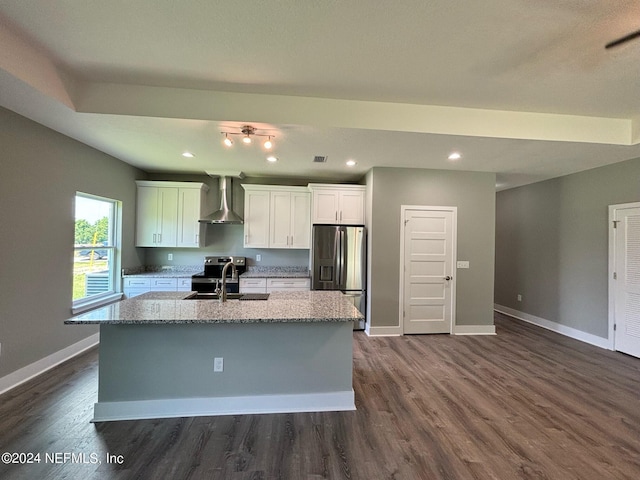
[{"x": 247, "y": 132}]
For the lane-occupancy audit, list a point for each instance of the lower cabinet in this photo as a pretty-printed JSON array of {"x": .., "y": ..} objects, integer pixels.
[
  {"x": 135, "y": 286},
  {"x": 268, "y": 285}
]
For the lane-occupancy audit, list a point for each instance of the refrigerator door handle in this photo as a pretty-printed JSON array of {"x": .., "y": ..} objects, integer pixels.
[{"x": 342, "y": 259}]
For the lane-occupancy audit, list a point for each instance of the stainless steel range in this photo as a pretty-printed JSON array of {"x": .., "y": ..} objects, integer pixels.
[{"x": 211, "y": 277}]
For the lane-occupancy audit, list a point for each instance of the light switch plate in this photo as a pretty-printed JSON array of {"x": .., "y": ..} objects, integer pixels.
[{"x": 462, "y": 264}]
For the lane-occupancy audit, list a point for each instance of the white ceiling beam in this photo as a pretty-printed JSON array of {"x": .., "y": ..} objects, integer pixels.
[{"x": 164, "y": 102}]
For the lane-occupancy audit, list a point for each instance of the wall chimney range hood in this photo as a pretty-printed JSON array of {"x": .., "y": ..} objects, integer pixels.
[{"x": 225, "y": 213}]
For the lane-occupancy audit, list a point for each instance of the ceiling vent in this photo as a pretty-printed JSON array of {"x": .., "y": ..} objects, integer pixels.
[{"x": 320, "y": 159}]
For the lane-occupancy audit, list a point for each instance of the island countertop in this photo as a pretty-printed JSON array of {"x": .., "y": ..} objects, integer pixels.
[{"x": 176, "y": 308}]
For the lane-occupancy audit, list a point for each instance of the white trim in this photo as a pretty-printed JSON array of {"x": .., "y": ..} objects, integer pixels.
[
  {"x": 612, "y": 268},
  {"x": 394, "y": 331},
  {"x": 91, "y": 303},
  {"x": 454, "y": 258},
  {"x": 212, "y": 406},
  {"x": 474, "y": 329},
  {"x": 554, "y": 326},
  {"x": 34, "y": 369}
]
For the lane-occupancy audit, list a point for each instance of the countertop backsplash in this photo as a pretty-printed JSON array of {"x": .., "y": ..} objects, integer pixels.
[{"x": 186, "y": 269}]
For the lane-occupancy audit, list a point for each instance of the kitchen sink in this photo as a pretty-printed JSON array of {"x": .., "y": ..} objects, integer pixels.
[{"x": 230, "y": 296}]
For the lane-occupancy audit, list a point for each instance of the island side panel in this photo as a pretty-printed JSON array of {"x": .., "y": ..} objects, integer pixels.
[{"x": 141, "y": 363}]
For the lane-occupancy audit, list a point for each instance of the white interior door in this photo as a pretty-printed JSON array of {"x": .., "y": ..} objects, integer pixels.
[
  {"x": 428, "y": 288},
  {"x": 627, "y": 281}
]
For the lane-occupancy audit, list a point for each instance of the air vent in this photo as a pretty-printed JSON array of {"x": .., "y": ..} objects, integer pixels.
[{"x": 320, "y": 159}]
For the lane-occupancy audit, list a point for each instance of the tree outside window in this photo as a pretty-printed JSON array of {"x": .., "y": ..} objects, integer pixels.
[{"x": 95, "y": 248}]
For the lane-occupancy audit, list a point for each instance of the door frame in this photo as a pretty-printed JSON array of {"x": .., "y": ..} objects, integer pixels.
[
  {"x": 612, "y": 267},
  {"x": 454, "y": 255}
]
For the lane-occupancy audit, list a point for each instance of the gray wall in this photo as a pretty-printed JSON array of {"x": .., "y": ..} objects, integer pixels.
[
  {"x": 552, "y": 245},
  {"x": 41, "y": 170},
  {"x": 474, "y": 195}
]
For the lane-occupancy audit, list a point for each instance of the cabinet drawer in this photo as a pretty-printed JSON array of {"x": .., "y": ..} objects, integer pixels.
[
  {"x": 184, "y": 284},
  {"x": 136, "y": 282},
  {"x": 170, "y": 284},
  {"x": 253, "y": 282},
  {"x": 288, "y": 284},
  {"x": 134, "y": 292}
]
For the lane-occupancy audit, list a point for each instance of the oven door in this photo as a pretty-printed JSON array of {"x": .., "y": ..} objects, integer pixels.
[{"x": 208, "y": 285}]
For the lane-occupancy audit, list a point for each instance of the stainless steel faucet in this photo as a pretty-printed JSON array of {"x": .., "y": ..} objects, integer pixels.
[{"x": 222, "y": 292}]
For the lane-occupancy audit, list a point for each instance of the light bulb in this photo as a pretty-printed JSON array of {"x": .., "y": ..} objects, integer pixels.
[
  {"x": 246, "y": 139},
  {"x": 351, "y": 163},
  {"x": 455, "y": 156},
  {"x": 268, "y": 144},
  {"x": 272, "y": 159},
  {"x": 188, "y": 155},
  {"x": 227, "y": 141}
]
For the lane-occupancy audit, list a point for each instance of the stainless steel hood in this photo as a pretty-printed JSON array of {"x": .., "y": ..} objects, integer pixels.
[{"x": 225, "y": 214}]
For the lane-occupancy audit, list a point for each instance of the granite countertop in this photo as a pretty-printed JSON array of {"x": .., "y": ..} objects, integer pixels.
[
  {"x": 163, "y": 271},
  {"x": 175, "y": 308}
]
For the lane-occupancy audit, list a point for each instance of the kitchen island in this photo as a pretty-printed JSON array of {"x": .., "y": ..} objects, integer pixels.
[{"x": 290, "y": 353}]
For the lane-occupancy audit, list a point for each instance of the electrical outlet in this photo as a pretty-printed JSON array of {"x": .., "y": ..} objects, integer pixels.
[
  {"x": 258, "y": 258},
  {"x": 170, "y": 256},
  {"x": 519, "y": 297},
  {"x": 218, "y": 364}
]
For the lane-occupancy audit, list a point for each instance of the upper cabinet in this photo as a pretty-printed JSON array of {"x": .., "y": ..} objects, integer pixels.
[
  {"x": 276, "y": 216},
  {"x": 337, "y": 204},
  {"x": 168, "y": 214}
]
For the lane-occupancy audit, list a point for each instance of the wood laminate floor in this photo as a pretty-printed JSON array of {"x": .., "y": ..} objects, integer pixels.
[{"x": 527, "y": 403}]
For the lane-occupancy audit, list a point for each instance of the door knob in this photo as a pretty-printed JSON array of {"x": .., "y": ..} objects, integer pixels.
[{"x": 448, "y": 277}]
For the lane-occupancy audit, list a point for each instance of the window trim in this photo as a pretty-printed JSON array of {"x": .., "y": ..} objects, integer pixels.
[{"x": 94, "y": 301}]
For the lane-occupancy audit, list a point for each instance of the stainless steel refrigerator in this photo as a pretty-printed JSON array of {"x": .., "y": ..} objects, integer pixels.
[{"x": 338, "y": 262}]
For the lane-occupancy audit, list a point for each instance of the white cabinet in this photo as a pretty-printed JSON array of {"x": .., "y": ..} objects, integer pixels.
[
  {"x": 253, "y": 285},
  {"x": 337, "y": 204},
  {"x": 289, "y": 217},
  {"x": 134, "y": 286},
  {"x": 276, "y": 217},
  {"x": 256, "y": 218},
  {"x": 268, "y": 285},
  {"x": 168, "y": 214},
  {"x": 288, "y": 284},
  {"x": 184, "y": 284}
]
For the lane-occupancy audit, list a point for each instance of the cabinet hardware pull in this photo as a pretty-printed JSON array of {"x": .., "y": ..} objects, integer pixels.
[{"x": 154, "y": 238}]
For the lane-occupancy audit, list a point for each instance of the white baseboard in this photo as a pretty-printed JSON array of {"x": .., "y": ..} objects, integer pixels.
[
  {"x": 394, "y": 331},
  {"x": 555, "y": 327},
  {"x": 34, "y": 369},
  {"x": 474, "y": 330},
  {"x": 213, "y": 406}
]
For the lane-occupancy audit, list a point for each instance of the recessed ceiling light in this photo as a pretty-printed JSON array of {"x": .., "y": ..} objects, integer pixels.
[
  {"x": 351, "y": 163},
  {"x": 188, "y": 155},
  {"x": 272, "y": 159},
  {"x": 455, "y": 156}
]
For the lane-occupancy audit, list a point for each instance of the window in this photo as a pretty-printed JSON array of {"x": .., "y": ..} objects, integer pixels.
[{"x": 95, "y": 257}]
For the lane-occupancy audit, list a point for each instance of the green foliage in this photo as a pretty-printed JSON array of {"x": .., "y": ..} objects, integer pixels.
[{"x": 84, "y": 231}]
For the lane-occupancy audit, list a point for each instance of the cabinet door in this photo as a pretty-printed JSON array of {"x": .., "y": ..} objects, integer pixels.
[
  {"x": 147, "y": 217},
  {"x": 300, "y": 220},
  {"x": 189, "y": 203},
  {"x": 351, "y": 208},
  {"x": 280, "y": 220},
  {"x": 256, "y": 219},
  {"x": 167, "y": 217},
  {"x": 325, "y": 206}
]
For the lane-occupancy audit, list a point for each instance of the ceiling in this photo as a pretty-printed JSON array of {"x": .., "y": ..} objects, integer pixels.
[{"x": 520, "y": 88}]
